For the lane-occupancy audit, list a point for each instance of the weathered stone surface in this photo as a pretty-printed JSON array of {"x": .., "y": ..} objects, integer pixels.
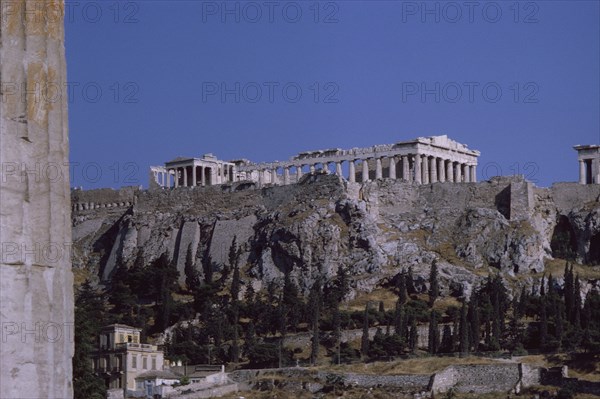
[
  {"x": 36, "y": 284},
  {"x": 375, "y": 229}
]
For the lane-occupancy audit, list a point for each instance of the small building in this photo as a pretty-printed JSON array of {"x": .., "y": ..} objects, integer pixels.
[
  {"x": 589, "y": 163},
  {"x": 121, "y": 357},
  {"x": 156, "y": 383}
]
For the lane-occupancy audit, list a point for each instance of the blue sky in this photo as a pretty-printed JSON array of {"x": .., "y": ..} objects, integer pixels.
[{"x": 152, "y": 80}]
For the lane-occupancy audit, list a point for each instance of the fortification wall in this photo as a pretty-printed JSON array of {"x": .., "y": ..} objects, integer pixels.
[
  {"x": 89, "y": 200},
  {"x": 567, "y": 196}
]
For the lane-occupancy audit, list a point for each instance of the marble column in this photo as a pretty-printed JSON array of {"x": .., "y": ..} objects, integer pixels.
[
  {"x": 473, "y": 173},
  {"x": 582, "y": 179},
  {"x": 433, "y": 169},
  {"x": 457, "y": 175},
  {"x": 405, "y": 168},
  {"x": 449, "y": 171},
  {"x": 176, "y": 177},
  {"x": 466, "y": 173},
  {"x": 312, "y": 169},
  {"x": 203, "y": 175},
  {"x": 417, "y": 166},
  {"x": 425, "y": 169},
  {"x": 185, "y": 179},
  {"x": 378, "y": 169},
  {"x": 365, "y": 170},
  {"x": 36, "y": 281},
  {"x": 194, "y": 177},
  {"x": 286, "y": 175},
  {"x": 392, "y": 168},
  {"x": 352, "y": 171},
  {"x": 298, "y": 173},
  {"x": 441, "y": 170},
  {"x": 260, "y": 178},
  {"x": 338, "y": 169}
]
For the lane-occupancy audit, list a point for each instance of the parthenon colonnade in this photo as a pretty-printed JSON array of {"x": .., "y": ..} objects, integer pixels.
[{"x": 423, "y": 161}]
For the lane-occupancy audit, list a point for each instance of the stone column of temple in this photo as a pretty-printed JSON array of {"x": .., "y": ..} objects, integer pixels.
[
  {"x": 473, "y": 173},
  {"x": 312, "y": 168},
  {"x": 433, "y": 169},
  {"x": 36, "y": 287},
  {"x": 298, "y": 173},
  {"x": 352, "y": 171},
  {"x": 441, "y": 170},
  {"x": 425, "y": 169},
  {"x": 405, "y": 168},
  {"x": 203, "y": 175},
  {"x": 466, "y": 173},
  {"x": 378, "y": 169},
  {"x": 417, "y": 166},
  {"x": 338, "y": 169},
  {"x": 449, "y": 171},
  {"x": 185, "y": 179},
  {"x": 274, "y": 178},
  {"x": 365, "y": 170},
  {"x": 194, "y": 177},
  {"x": 581, "y": 172},
  {"x": 392, "y": 168},
  {"x": 286, "y": 175},
  {"x": 457, "y": 176},
  {"x": 176, "y": 177}
]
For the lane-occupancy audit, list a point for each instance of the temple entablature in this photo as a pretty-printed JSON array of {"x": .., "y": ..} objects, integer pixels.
[{"x": 422, "y": 160}]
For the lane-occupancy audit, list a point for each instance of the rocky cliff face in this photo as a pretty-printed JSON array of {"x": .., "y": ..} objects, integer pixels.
[{"x": 312, "y": 228}]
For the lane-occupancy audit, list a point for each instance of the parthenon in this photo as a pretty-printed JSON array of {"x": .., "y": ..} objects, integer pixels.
[{"x": 423, "y": 160}]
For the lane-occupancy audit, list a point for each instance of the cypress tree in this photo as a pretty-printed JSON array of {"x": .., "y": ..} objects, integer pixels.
[
  {"x": 414, "y": 335},
  {"x": 434, "y": 333},
  {"x": 474, "y": 323},
  {"x": 402, "y": 294},
  {"x": 410, "y": 283},
  {"x": 568, "y": 292},
  {"x": 315, "y": 309},
  {"x": 543, "y": 325},
  {"x": 434, "y": 289},
  {"x": 464, "y": 330},
  {"x": 577, "y": 302},
  {"x": 364, "y": 342},
  {"x": 446, "y": 345},
  {"x": 399, "y": 318}
]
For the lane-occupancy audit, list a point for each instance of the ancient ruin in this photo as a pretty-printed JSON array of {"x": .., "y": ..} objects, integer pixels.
[
  {"x": 422, "y": 160},
  {"x": 35, "y": 266},
  {"x": 589, "y": 163}
]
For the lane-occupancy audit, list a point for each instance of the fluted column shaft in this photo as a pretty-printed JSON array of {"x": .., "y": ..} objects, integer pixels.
[
  {"x": 441, "y": 170},
  {"x": 365, "y": 170},
  {"x": 417, "y": 166},
  {"x": 36, "y": 281},
  {"x": 581, "y": 172},
  {"x": 433, "y": 169},
  {"x": 457, "y": 173},
  {"x": 352, "y": 171},
  {"x": 405, "y": 168},
  {"x": 392, "y": 168},
  {"x": 378, "y": 169},
  {"x": 425, "y": 170}
]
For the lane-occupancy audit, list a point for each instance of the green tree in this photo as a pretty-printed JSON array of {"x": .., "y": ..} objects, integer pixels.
[
  {"x": 315, "y": 301},
  {"x": 434, "y": 289},
  {"x": 434, "y": 333},
  {"x": 463, "y": 330},
  {"x": 364, "y": 342},
  {"x": 89, "y": 315}
]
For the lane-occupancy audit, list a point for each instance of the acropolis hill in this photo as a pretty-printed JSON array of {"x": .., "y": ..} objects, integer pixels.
[{"x": 407, "y": 204}]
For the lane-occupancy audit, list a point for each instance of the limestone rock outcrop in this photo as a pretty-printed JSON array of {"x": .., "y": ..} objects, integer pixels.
[{"x": 376, "y": 229}]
